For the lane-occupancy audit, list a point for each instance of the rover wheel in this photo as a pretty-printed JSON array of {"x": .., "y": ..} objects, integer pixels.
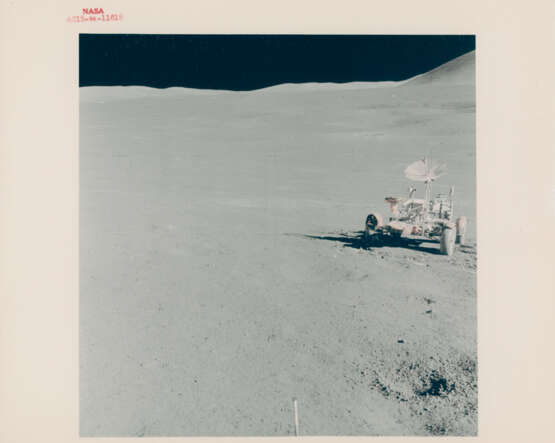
[
  {"x": 461, "y": 230},
  {"x": 373, "y": 221},
  {"x": 447, "y": 242}
]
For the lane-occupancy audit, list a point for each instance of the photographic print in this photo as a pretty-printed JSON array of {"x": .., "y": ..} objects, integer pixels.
[{"x": 277, "y": 235}]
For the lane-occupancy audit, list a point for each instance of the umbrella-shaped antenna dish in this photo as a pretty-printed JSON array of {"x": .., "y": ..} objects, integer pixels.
[{"x": 425, "y": 170}]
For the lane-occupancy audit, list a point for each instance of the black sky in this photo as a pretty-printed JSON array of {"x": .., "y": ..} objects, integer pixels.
[{"x": 246, "y": 62}]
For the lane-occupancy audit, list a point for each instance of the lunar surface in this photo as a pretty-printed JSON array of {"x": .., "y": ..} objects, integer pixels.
[{"x": 222, "y": 271}]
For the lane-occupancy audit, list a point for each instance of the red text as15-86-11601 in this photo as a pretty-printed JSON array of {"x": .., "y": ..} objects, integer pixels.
[{"x": 95, "y": 18}]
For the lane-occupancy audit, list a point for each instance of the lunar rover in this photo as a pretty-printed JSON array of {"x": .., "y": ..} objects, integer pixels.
[{"x": 416, "y": 220}]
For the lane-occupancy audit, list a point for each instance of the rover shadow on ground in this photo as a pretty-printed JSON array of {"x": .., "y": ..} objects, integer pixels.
[{"x": 357, "y": 240}]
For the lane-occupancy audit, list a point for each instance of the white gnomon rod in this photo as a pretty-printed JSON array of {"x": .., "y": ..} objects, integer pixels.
[{"x": 296, "y": 409}]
